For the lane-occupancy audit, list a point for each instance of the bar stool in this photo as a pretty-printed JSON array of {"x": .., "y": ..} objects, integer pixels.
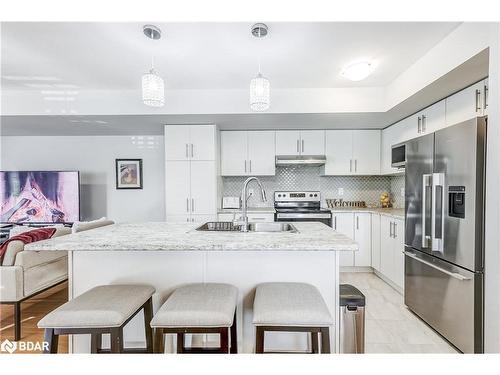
[
  {"x": 291, "y": 307},
  {"x": 198, "y": 309},
  {"x": 100, "y": 310}
]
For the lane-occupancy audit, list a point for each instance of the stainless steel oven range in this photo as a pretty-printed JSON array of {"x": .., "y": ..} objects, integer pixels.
[{"x": 300, "y": 206}]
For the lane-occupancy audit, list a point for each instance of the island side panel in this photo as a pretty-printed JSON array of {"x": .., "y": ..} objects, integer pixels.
[
  {"x": 247, "y": 269},
  {"x": 166, "y": 270}
]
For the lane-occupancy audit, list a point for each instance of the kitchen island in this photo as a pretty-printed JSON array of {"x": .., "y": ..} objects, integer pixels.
[{"x": 168, "y": 255}]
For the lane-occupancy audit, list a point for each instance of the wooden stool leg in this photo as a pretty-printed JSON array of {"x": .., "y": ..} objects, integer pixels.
[
  {"x": 234, "y": 337},
  {"x": 224, "y": 340},
  {"x": 325, "y": 340},
  {"x": 95, "y": 343},
  {"x": 180, "y": 343},
  {"x": 314, "y": 342},
  {"x": 259, "y": 340},
  {"x": 17, "y": 321},
  {"x": 52, "y": 340},
  {"x": 158, "y": 344},
  {"x": 117, "y": 340},
  {"x": 148, "y": 316}
]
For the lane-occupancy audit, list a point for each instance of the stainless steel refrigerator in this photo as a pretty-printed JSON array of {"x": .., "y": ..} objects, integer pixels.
[{"x": 444, "y": 231}]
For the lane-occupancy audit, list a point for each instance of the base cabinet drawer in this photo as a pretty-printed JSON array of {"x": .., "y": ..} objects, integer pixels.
[{"x": 252, "y": 218}]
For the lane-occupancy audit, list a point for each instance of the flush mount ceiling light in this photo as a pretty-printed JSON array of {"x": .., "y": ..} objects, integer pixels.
[
  {"x": 357, "y": 71},
  {"x": 153, "y": 86},
  {"x": 259, "y": 86}
]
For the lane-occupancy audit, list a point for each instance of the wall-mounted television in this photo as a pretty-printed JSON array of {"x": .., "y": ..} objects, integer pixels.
[{"x": 39, "y": 197}]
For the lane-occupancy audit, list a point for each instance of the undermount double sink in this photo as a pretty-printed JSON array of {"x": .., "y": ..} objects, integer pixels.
[{"x": 227, "y": 226}]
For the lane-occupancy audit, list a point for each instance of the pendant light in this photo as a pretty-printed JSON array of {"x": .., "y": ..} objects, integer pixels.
[
  {"x": 259, "y": 86},
  {"x": 153, "y": 86}
]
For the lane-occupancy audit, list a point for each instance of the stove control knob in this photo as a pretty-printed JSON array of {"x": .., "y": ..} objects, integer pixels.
[
  {"x": 310, "y": 195},
  {"x": 315, "y": 195}
]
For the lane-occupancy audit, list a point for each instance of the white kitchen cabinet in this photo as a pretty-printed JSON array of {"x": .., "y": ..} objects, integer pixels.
[
  {"x": 362, "y": 235},
  {"x": 386, "y": 247},
  {"x": 260, "y": 217},
  {"x": 338, "y": 152},
  {"x": 375, "y": 241},
  {"x": 261, "y": 153},
  {"x": 177, "y": 187},
  {"x": 343, "y": 222},
  {"x": 391, "y": 249},
  {"x": 352, "y": 152},
  {"x": 399, "y": 266},
  {"x": 234, "y": 153},
  {"x": 312, "y": 142},
  {"x": 246, "y": 153},
  {"x": 304, "y": 142},
  {"x": 366, "y": 152},
  {"x": 466, "y": 104},
  {"x": 190, "y": 184},
  {"x": 432, "y": 118},
  {"x": 227, "y": 216},
  {"x": 203, "y": 188},
  {"x": 190, "y": 142}
]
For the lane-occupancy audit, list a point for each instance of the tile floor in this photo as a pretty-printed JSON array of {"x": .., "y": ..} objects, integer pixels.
[{"x": 390, "y": 326}]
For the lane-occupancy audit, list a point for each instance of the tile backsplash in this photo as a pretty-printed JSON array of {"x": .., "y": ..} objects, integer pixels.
[{"x": 355, "y": 188}]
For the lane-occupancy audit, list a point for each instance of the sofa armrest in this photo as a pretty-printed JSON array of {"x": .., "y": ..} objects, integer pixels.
[{"x": 11, "y": 283}]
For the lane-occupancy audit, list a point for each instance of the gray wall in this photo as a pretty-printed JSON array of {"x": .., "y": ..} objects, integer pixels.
[{"x": 94, "y": 157}]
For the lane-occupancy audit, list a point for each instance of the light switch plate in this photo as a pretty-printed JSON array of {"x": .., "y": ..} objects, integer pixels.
[{"x": 341, "y": 191}]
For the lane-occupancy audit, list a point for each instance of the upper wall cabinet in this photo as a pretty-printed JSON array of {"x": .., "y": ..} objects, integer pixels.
[
  {"x": 190, "y": 142},
  {"x": 352, "y": 152},
  {"x": 468, "y": 103},
  {"x": 305, "y": 142},
  {"x": 246, "y": 153}
]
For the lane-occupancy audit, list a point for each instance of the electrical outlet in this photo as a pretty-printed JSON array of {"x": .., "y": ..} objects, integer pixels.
[
  {"x": 403, "y": 192},
  {"x": 341, "y": 191}
]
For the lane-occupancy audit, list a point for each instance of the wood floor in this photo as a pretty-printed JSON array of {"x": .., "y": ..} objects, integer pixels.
[
  {"x": 33, "y": 310},
  {"x": 390, "y": 326}
]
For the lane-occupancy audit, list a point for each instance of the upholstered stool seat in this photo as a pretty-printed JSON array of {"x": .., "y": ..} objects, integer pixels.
[
  {"x": 198, "y": 308},
  {"x": 291, "y": 307},
  {"x": 103, "y": 309}
]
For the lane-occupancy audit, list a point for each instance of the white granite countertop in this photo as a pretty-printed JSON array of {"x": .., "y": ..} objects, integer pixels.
[
  {"x": 163, "y": 236},
  {"x": 250, "y": 210},
  {"x": 398, "y": 213}
]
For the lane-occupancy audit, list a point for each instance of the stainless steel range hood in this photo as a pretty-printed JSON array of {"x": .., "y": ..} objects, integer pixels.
[{"x": 311, "y": 160}]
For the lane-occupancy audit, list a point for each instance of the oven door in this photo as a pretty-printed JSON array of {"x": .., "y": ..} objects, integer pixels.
[{"x": 324, "y": 218}]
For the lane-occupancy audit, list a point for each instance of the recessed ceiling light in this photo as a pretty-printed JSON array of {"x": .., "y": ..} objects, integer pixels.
[{"x": 357, "y": 71}]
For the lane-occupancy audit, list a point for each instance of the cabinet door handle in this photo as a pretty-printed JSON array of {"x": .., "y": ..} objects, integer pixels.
[
  {"x": 395, "y": 230},
  {"x": 187, "y": 204},
  {"x": 419, "y": 125},
  {"x": 187, "y": 151},
  {"x": 350, "y": 165},
  {"x": 357, "y": 222},
  {"x": 355, "y": 165},
  {"x": 478, "y": 97},
  {"x": 192, "y": 150},
  {"x": 424, "y": 120},
  {"x": 192, "y": 204},
  {"x": 390, "y": 229},
  {"x": 298, "y": 150},
  {"x": 335, "y": 222},
  {"x": 485, "y": 97},
  {"x": 245, "y": 166},
  {"x": 302, "y": 145},
  {"x": 250, "y": 162}
]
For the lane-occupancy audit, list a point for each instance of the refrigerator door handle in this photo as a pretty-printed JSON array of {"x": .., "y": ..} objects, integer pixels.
[
  {"x": 438, "y": 212},
  {"x": 426, "y": 182},
  {"x": 449, "y": 273}
]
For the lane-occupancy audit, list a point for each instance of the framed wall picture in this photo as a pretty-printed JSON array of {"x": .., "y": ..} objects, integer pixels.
[{"x": 129, "y": 173}]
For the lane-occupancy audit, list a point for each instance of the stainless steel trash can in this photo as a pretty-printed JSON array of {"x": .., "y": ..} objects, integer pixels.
[{"x": 352, "y": 320}]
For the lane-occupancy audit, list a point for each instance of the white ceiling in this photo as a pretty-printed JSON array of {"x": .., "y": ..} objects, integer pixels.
[{"x": 83, "y": 56}]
